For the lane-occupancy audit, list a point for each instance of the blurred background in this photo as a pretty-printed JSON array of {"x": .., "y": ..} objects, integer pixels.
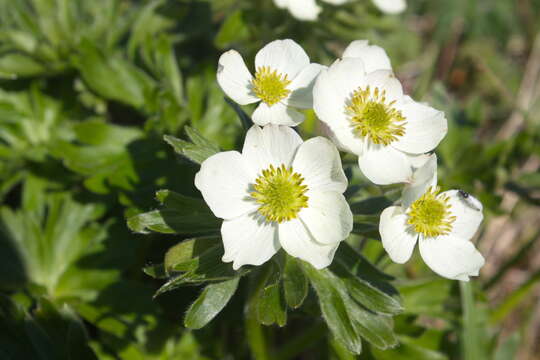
[{"x": 89, "y": 88}]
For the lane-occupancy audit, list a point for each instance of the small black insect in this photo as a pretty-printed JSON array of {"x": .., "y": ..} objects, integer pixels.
[{"x": 470, "y": 200}]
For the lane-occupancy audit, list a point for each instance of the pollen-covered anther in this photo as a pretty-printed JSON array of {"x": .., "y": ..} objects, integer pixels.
[
  {"x": 430, "y": 214},
  {"x": 270, "y": 86},
  {"x": 373, "y": 117},
  {"x": 281, "y": 193}
]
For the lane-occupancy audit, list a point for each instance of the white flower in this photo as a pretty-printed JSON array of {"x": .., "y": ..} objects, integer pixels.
[
  {"x": 374, "y": 57},
  {"x": 370, "y": 116},
  {"x": 391, "y": 6},
  {"x": 283, "y": 81},
  {"x": 279, "y": 192},
  {"x": 308, "y": 10},
  {"x": 442, "y": 223}
]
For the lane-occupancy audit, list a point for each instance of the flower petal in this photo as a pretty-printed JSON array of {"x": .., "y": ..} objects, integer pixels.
[
  {"x": 307, "y": 10},
  {"x": 336, "y": 2},
  {"x": 384, "y": 165},
  {"x": 422, "y": 179},
  {"x": 468, "y": 213},
  {"x": 298, "y": 242},
  {"x": 249, "y": 240},
  {"x": 391, "y": 6},
  {"x": 397, "y": 238},
  {"x": 270, "y": 145},
  {"x": 373, "y": 56},
  {"x": 224, "y": 180},
  {"x": 424, "y": 129},
  {"x": 334, "y": 87},
  {"x": 284, "y": 56},
  {"x": 328, "y": 217},
  {"x": 331, "y": 92},
  {"x": 278, "y": 114},
  {"x": 451, "y": 257},
  {"x": 319, "y": 163},
  {"x": 302, "y": 87},
  {"x": 386, "y": 81},
  {"x": 281, "y": 3},
  {"x": 234, "y": 78}
]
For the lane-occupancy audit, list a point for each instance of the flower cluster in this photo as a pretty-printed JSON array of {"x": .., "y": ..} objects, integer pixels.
[
  {"x": 308, "y": 10},
  {"x": 282, "y": 192}
]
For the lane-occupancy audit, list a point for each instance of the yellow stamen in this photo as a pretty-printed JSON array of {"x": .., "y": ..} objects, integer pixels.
[
  {"x": 270, "y": 86},
  {"x": 430, "y": 214},
  {"x": 373, "y": 118},
  {"x": 281, "y": 193}
]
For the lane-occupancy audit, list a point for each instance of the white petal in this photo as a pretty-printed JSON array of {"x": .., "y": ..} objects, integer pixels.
[
  {"x": 278, "y": 114},
  {"x": 302, "y": 87},
  {"x": 319, "y": 163},
  {"x": 451, "y": 257},
  {"x": 384, "y": 165},
  {"x": 336, "y": 2},
  {"x": 334, "y": 88},
  {"x": 331, "y": 92},
  {"x": 224, "y": 180},
  {"x": 306, "y": 10},
  {"x": 422, "y": 179},
  {"x": 386, "y": 81},
  {"x": 298, "y": 242},
  {"x": 325, "y": 131},
  {"x": 468, "y": 213},
  {"x": 397, "y": 238},
  {"x": 328, "y": 217},
  {"x": 271, "y": 145},
  {"x": 249, "y": 240},
  {"x": 234, "y": 78},
  {"x": 373, "y": 56},
  {"x": 419, "y": 160},
  {"x": 391, "y": 6},
  {"x": 281, "y": 3},
  {"x": 424, "y": 130},
  {"x": 284, "y": 56},
  {"x": 345, "y": 138}
]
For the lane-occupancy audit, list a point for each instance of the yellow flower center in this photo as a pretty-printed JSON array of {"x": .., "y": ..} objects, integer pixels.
[
  {"x": 430, "y": 214},
  {"x": 372, "y": 117},
  {"x": 281, "y": 193},
  {"x": 270, "y": 86}
]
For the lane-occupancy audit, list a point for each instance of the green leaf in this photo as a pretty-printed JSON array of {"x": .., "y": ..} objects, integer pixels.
[
  {"x": 17, "y": 65},
  {"x": 366, "y": 294},
  {"x": 112, "y": 77},
  {"x": 184, "y": 255},
  {"x": 267, "y": 301},
  {"x": 157, "y": 271},
  {"x": 347, "y": 320},
  {"x": 212, "y": 300},
  {"x": 180, "y": 215},
  {"x": 197, "y": 261},
  {"x": 425, "y": 296},
  {"x": 408, "y": 349},
  {"x": 295, "y": 283},
  {"x": 334, "y": 307},
  {"x": 365, "y": 283},
  {"x": 51, "y": 233},
  {"x": 198, "y": 150},
  {"x": 48, "y": 333},
  {"x": 233, "y": 29}
]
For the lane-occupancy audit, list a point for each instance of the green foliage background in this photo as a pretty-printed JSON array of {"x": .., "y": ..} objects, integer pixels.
[{"x": 95, "y": 99}]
